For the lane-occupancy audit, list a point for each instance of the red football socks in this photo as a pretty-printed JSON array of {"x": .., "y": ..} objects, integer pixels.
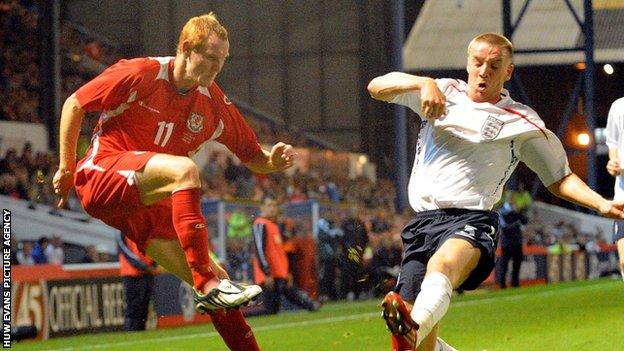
[
  {"x": 234, "y": 330},
  {"x": 191, "y": 229},
  {"x": 399, "y": 343}
]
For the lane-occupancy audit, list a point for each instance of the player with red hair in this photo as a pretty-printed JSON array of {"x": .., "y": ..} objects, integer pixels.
[{"x": 137, "y": 175}]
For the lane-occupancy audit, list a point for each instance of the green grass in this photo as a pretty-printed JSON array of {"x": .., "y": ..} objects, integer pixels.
[{"x": 570, "y": 316}]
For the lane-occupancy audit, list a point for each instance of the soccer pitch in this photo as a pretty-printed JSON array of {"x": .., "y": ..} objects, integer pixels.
[{"x": 585, "y": 315}]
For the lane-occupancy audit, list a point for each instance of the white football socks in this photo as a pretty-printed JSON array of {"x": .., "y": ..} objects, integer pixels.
[
  {"x": 431, "y": 303},
  {"x": 441, "y": 345}
]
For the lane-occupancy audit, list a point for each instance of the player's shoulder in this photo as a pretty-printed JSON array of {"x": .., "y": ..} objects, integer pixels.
[
  {"x": 618, "y": 105},
  {"x": 520, "y": 109},
  {"x": 139, "y": 64},
  {"x": 450, "y": 85},
  {"x": 529, "y": 119},
  {"x": 218, "y": 95},
  {"x": 142, "y": 69}
]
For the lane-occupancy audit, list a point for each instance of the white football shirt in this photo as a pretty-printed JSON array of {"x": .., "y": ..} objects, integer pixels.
[
  {"x": 615, "y": 124},
  {"x": 464, "y": 158}
]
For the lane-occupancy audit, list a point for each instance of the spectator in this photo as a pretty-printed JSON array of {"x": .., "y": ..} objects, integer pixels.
[
  {"x": 511, "y": 221},
  {"x": 54, "y": 252},
  {"x": 39, "y": 250},
  {"x": 24, "y": 255},
  {"x": 137, "y": 272},
  {"x": 328, "y": 243},
  {"x": 301, "y": 249},
  {"x": 271, "y": 269},
  {"x": 386, "y": 264},
  {"x": 354, "y": 242}
]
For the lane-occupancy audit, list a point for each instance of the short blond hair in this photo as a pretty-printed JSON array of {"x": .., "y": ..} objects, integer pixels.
[
  {"x": 197, "y": 29},
  {"x": 493, "y": 39}
]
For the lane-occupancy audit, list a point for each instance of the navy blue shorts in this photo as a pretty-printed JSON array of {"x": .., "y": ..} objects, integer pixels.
[
  {"x": 424, "y": 235},
  {"x": 618, "y": 230}
]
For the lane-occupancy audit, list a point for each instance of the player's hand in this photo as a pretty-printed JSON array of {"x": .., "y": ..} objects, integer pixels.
[
  {"x": 282, "y": 156},
  {"x": 613, "y": 167},
  {"x": 612, "y": 209},
  {"x": 269, "y": 282},
  {"x": 62, "y": 182},
  {"x": 432, "y": 100}
]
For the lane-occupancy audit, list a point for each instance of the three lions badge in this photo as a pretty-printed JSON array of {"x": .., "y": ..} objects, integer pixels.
[{"x": 491, "y": 128}]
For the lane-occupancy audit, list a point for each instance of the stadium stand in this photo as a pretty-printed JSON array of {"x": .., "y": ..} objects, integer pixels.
[{"x": 321, "y": 190}]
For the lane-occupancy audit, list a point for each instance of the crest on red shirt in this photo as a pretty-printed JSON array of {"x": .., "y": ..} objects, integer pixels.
[
  {"x": 195, "y": 122},
  {"x": 491, "y": 128}
]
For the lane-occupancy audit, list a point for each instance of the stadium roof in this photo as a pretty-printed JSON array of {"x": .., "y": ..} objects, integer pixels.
[{"x": 438, "y": 39}]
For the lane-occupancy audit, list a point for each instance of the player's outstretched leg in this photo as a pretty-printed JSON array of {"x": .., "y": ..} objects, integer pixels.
[
  {"x": 236, "y": 333},
  {"x": 190, "y": 226},
  {"x": 431, "y": 303},
  {"x": 399, "y": 322},
  {"x": 230, "y": 324}
]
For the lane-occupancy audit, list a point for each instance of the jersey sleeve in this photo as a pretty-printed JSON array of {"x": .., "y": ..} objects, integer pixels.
[
  {"x": 412, "y": 99},
  {"x": 545, "y": 156},
  {"x": 614, "y": 124},
  {"x": 237, "y": 135},
  {"x": 114, "y": 86}
]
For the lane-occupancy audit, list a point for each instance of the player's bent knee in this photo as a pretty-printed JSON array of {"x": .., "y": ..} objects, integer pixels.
[{"x": 187, "y": 174}]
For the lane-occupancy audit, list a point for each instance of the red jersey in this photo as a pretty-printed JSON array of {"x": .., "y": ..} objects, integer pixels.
[
  {"x": 270, "y": 257},
  {"x": 142, "y": 110}
]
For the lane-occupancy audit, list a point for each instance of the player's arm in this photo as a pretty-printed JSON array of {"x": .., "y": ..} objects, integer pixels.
[
  {"x": 71, "y": 120},
  {"x": 613, "y": 166},
  {"x": 389, "y": 86},
  {"x": 280, "y": 157},
  {"x": 573, "y": 189},
  {"x": 546, "y": 157}
]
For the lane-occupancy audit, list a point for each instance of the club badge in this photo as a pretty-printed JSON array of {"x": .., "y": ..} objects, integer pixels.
[
  {"x": 491, "y": 128},
  {"x": 195, "y": 122}
]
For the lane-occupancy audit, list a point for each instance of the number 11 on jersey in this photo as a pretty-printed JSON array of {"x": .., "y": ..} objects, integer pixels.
[{"x": 160, "y": 140}]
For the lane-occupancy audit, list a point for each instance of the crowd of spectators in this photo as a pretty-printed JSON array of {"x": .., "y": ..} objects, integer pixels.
[
  {"x": 53, "y": 250},
  {"x": 42, "y": 251},
  {"x": 27, "y": 175},
  {"x": 563, "y": 236},
  {"x": 224, "y": 179},
  {"x": 20, "y": 81}
]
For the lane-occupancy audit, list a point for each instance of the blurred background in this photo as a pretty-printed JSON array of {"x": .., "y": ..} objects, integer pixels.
[{"x": 298, "y": 71}]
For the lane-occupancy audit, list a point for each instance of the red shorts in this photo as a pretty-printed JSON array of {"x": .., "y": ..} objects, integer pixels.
[{"x": 108, "y": 191}]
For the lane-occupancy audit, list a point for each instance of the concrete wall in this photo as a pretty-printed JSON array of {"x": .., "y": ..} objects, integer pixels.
[{"x": 299, "y": 61}]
